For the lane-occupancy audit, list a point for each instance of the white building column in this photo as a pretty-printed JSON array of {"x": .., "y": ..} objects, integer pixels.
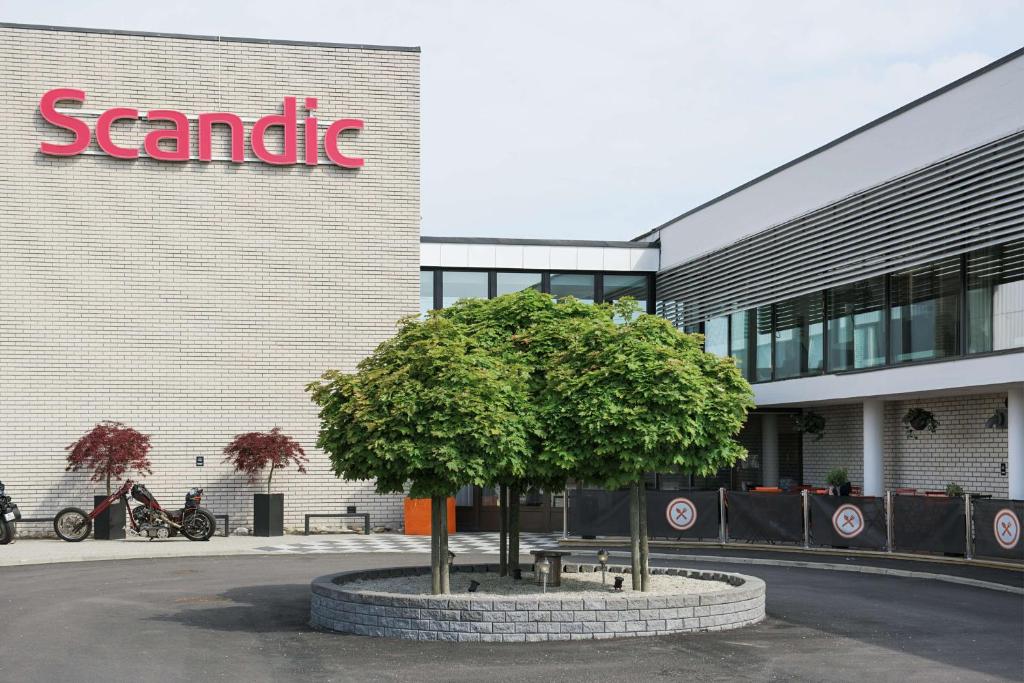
[
  {"x": 769, "y": 449},
  {"x": 874, "y": 442},
  {"x": 1015, "y": 442}
]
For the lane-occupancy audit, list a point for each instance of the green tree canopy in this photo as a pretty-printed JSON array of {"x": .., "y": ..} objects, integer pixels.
[
  {"x": 429, "y": 409},
  {"x": 642, "y": 397}
]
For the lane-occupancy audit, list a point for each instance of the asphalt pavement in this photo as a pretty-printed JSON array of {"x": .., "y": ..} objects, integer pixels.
[{"x": 244, "y": 618}]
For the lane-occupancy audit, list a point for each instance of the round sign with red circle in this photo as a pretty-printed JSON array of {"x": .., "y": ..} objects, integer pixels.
[
  {"x": 1007, "y": 528},
  {"x": 848, "y": 520},
  {"x": 681, "y": 514}
]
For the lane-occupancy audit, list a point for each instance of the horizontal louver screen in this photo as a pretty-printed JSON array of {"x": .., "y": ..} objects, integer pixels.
[{"x": 969, "y": 201}]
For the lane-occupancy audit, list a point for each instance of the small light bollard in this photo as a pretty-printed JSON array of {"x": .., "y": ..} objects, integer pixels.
[
  {"x": 618, "y": 584},
  {"x": 544, "y": 567},
  {"x": 602, "y": 558},
  {"x": 451, "y": 558},
  {"x": 473, "y": 585}
]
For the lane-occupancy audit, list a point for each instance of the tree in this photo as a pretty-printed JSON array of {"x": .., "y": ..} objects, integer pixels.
[
  {"x": 109, "y": 450},
  {"x": 527, "y": 329},
  {"x": 637, "y": 397},
  {"x": 253, "y": 452},
  {"x": 430, "y": 411}
]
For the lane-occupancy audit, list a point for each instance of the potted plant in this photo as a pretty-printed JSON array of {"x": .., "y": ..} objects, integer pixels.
[
  {"x": 838, "y": 482},
  {"x": 918, "y": 420},
  {"x": 110, "y": 450},
  {"x": 810, "y": 423},
  {"x": 954, "y": 490},
  {"x": 251, "y": 454}
]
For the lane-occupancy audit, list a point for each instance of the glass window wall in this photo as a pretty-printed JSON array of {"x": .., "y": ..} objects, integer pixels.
[
  {"x": 426, "y": 291},
  {"x": 763, "y": 344},
  {"x": 462, "y": 284},
  {"x": 856, "y": 328},
  {"x": 740, "y": 328},
  {"x": 577, "y": 285},
  {"x": 995, "y": 298},
  {"x": 716, "y": 336},
  {"x": 798, "y": 336},
  {"x": 619, "y": 286},
  {"x": 924, "y": 311},
  {"x": 517, "y": 282}
]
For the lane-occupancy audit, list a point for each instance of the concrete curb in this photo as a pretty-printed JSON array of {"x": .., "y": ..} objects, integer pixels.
[{"x": 858, "y": 569}]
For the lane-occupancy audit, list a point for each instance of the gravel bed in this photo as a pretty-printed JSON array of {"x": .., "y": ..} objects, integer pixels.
[{"x": 579, "y": 585}]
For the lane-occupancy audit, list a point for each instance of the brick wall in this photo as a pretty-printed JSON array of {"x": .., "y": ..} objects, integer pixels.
[
  {"x": 196, "y": 300},
  {"x": 962, "y": 450}
]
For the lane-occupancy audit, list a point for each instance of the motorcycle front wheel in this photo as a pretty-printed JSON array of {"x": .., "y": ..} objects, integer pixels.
[
  {"x": 72, "y": 525},
  {"x": 198, "y": 525},
  {"x": 7, "y": 531}
]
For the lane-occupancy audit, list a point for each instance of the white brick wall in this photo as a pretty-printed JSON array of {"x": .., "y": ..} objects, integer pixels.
[
  {"x": 195, "y": 300},
  {"x": 961, "y": 450}
]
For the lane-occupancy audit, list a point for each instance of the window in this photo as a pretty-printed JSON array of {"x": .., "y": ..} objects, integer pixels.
[
  {"x": 462, "y": 284},
  {"x": 995, "y": 298},
  {"x": 426, "y": 291},
  {"x": 740, "y": 328},
  {"x": 924, "y": 313},
  {"x": 856, "y": 334},
  {"x": 517, "y": 282},
  {"x": 798, "y": 336},
  {"x": 716, "y": 336},
  {"x": 619, "y": 286},
  {"x": 573, "y": 284},
  {"x": 763, "y": 344}
]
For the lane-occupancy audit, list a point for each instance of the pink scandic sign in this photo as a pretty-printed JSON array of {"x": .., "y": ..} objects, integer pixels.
[
  {"x": 681, "y": 514},
  {"x": 1007, "y": 528},
  {"x": 848, "y": 521}
]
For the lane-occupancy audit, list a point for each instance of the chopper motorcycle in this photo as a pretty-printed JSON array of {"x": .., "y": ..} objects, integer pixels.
[
  {"x": 9, "y": 516},
  {"x": 148, "y": 519}
]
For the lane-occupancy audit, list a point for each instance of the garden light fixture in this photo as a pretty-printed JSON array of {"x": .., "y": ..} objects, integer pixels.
[
  {"x": 602, "y": 557},
  {"x": 618, "y": 583},
  {"x": 451, "y": 558},
  {"x": 544, "y": 567},
  {"x": 473, "y": 585}
]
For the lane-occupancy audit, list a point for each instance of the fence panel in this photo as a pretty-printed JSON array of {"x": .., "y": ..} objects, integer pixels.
[
  {"x": 599, "y": 513},
  {"x": 848, "y": 521},
  {"x": 764, "y": 517},
  {"x": 997, "y": 529},
  {"x": 682, "y": 514},
  {"x": 930, "y": 524}
]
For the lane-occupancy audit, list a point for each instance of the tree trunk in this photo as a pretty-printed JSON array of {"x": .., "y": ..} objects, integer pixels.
[
  {"x": 513, "y": 529},
  {"x": 645, "y": 555},
  {"x": 634, "y": 534},
  {"x": 270, "y": 479},
  {"x": 435, "y": 546},
  {"x": 503, "y": 530},
  {"x": 108, "y": 485},
  {"x": 445, "y": 575}
]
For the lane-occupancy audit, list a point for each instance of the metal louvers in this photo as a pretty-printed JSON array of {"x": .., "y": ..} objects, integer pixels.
[{"x": 966, "y": 202}]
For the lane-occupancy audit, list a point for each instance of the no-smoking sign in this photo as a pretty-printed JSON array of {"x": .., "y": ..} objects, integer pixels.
[
  {"x": 681, "y": 514},
  {"x": 848, "y": 520},
  {"x": 1007, "y": 528}
]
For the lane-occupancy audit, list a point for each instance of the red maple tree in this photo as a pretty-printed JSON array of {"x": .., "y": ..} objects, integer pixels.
[
  {"x": 252, "y": 452},
  {"x": 108, "y": 451}
]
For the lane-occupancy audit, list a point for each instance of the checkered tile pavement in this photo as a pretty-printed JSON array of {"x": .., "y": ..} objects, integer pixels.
[{"x": 397, "y": 543}]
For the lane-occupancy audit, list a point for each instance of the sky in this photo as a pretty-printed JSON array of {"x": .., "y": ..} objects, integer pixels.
[{"x": 601, "y": 119}]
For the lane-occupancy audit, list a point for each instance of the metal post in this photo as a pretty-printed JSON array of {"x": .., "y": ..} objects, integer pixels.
[
  {"x": 888, "y": 521},
  {"x": 807, "y": 519},
  {"x": 968, "y": 554},
  {"x": 723, "y": 536},
  {"x": 565, "y": 513}
]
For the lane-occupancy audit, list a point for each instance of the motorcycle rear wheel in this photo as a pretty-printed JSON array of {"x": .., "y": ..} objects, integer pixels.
[
  {"x": 198, "y": 525},
  {"x": 72, "y": 525},
  {"x": 7, "y": 531}
]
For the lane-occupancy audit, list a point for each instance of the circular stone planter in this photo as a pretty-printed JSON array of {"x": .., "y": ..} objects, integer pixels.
[{"x": 336, "y": 605}]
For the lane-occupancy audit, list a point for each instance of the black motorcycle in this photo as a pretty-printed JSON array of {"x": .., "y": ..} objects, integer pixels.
[{"x": 9, "y": 516}]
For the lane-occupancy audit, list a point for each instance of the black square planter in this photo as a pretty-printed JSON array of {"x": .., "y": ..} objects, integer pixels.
[
  {"x": 268, "y": 514},
  {"x": 109, "y": 526}
]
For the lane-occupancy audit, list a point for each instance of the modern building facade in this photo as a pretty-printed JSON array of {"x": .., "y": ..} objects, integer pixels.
[
  {"x": 194, "y": 298},
  {"x": 194, "y": 228}
]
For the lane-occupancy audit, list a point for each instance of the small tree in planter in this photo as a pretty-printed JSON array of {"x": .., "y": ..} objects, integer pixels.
[
  {"x": 838, "y": 481},
  {"x": 254, "y": 452},
  {"x": 110, "y": 450}
]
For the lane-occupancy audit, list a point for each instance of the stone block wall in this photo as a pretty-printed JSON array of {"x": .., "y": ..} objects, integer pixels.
[{"x": 962, "y": 450}]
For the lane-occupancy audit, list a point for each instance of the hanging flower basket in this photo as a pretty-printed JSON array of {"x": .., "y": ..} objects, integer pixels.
[
  {"x": 919, "y": 420},
  {"x": 810, "y": 423}
]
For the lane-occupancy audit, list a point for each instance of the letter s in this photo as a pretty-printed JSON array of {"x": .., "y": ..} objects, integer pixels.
[{"x": 48, "y": 110}]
